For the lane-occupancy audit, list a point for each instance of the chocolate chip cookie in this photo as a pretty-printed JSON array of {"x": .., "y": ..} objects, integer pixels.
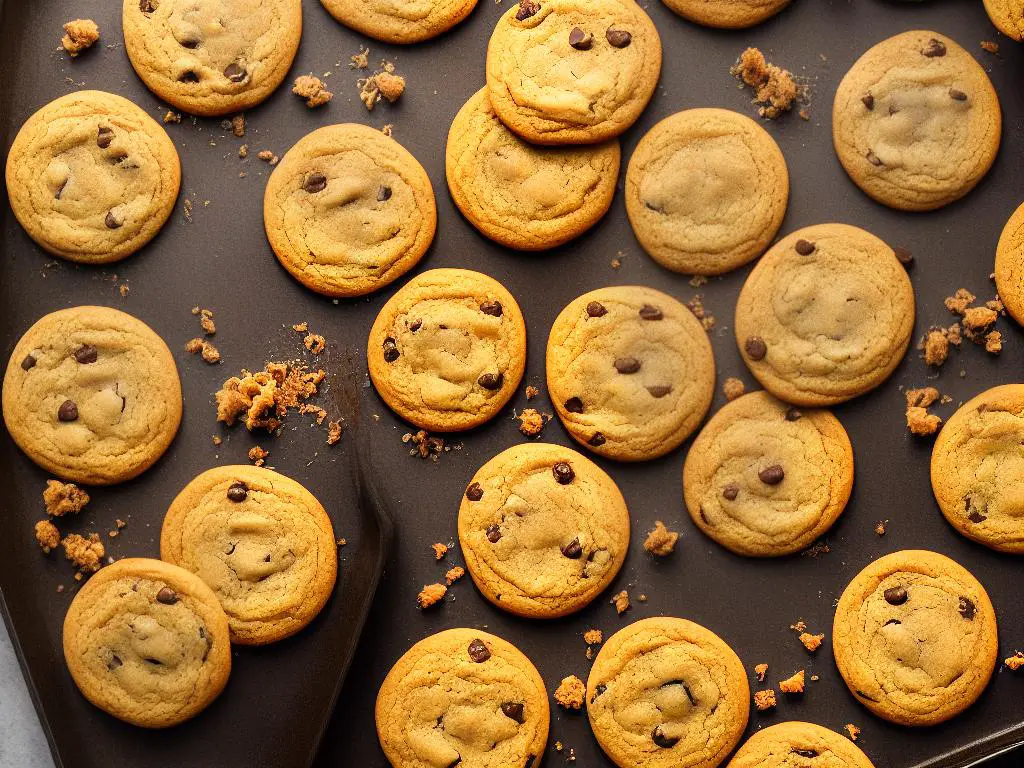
[
  {"x": 799, "y": 745},
  {"x": 915, "y": 638},
  {"x": 666, "y": 692},
  {"x": 572, "y": 72},
  {"x": 92, "y": 178},
  {"x": 630, "y": 372},
  {"x": 92, "y": 395},
  {"x": 520, "y": 195},
  {"x": 349, "y": 210},
  {"x": 706, "y": 191},
  {"x": 147, "y": 642},
  {"x": 916, "y": 122},
  {"x": 543, "y": 529},
  {"x": 766, "y": 479},
  {"x": 1008, "y": 16},
  {"x": 1009, "y": 270},
  {"x": 212, "y": 57},
  {"x": 727, "y": 14},
  {"x": 400, "y": 21},
  {"x": 825, "y": 315},
  {"x": 448, "y": 350},
  {"x": 463, "y": 697}
]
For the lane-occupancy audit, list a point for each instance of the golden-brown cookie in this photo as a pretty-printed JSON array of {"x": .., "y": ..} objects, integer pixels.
[
  {"x": 1009, "y": 269},
  {"x": 400, "y": 21},
  {"x": 1008, "y": 16},
  {"x": 799, "y": 745},
  {"x": 727, "y": 14}
]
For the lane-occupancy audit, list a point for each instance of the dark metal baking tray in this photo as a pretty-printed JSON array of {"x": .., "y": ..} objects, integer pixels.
[{"x": 276, "y": 699}]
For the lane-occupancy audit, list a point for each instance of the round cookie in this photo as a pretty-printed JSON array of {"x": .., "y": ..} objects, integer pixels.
[
  {"x": 400, "y": 21},
  {"x": 799, "y": 745},
  {"x": 1009, "y": 270},
  {"x": 706, "y": 191},
  {"x": 572, "y": 71},
  {"x": 92, "y": 395},
  {"x": 727, "y": 14},
  {"x": 92, "y": 178},
  {"x": 543, "y": 529},
  {"x": 520, "y": 195},
  {"x": 349, "y": 210},
  {"x": 1008, "y": 16},
  {"x": 915, "y": 638},
  {"x": 978, "y": 470},
  {"x": 916, "y": 122},
  {"x": 147, "y": 642},
  {"x": 764, "y": 479},
  {"x": 448, "y": 350},
  {"x": 212, "y": 57},
  {"x": 261, "y": 542},
  {"x": 666, "y": 692},
  {"x": 463, "y": 697},
  {"x": 825, "y": 315},
  {"x": 630, "y": 372}
]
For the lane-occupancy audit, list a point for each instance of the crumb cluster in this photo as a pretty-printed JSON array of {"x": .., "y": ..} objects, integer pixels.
[{"x": 774, "y": 87}]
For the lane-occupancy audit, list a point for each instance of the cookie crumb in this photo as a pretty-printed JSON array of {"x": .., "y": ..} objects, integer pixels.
[
  {"x": 616, "y": 262},
  {"x": 959, "y": 301},
  {"x": 391, "y": 86},
  {"x": 733, "y": 388},
  {"x": 47, "y": 535},
  {"x": 243, "y": 151},
  {"x": 1016, "y": 661},
  {"x": 990, "y": 46},
  {"x": 641, "y": 598},
  {"x": 258, "y": 455},
  {"x": 698, "y": 280},
  {"x": 760, "y": 670},
  {"x": 333, "y": 432},
  {"x": 978, "y": 319},
  {"x": 696, "y": 305},
  {"x": 205, "y": 320},
  {"x": 880, "y": 527},
  {"x": 661, "y": 541},
  {"x": 431, "y": 594},
  {"x": 800, "y": 626},
  {"x": 315, "y": 343},
  {"x": 360, "y": 60},
  {"x": 313, "y": 90},
  {"x": 774, "y": 87},
  {"x": 919, "y": 421},
  {"x": 268, "y": 157},
  {"x": 593, "y": 637},
  {"x": 817, "y": 549},
  {"x": 621, "y": 602},
  {"x": 571, "y": 693},
  {"x": 811, "y": 642},
  {"x": 63, "y": 498},
  {"x": 424, "y": 446},
  {"x": 216, "y": 439},
  {"x": 531, "y": 422},
  {"x": 454, "y": 574},
  {"x": 765, "y": 700},
  {"x": 794, "y": 684},
  {"x": 205, "y": 349},
  {"x": 387, "y": 129},
  {"x": 341, "y": 542},
  {"x": 936, "y": 347},
  {"x": 531, "y": 392},
  {"x": 440, "y": 550},
  {"x": 302, "y": 327},
  {"x": 994, "y": 342},
  {"x": 79, "y": 35},
  {"x": 263, "y": 399},
  {"x": 238, "y": 125},
  {"x": 852, "y": 731},
  {"x": 171, "y": 116},
  {"x": 85, "y": 553}
]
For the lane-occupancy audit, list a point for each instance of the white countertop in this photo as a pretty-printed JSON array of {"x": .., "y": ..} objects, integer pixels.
[{"x": 22, "y": 743}]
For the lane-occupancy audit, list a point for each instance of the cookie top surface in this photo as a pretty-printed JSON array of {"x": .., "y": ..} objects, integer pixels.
[
  {"x": 92, "y": 395},
  {"x": 630, "y": 372},
  {"x": 825, "y": 315},
  {"x": 212, "y": 57},
  {"x": 665, "y": 692},
  {"x": 400, "y": 21},
  {"x": 521, "y": 195},
  {"x": 706, "y": 191},
  {"x": 799, "y": 745},
  {"x": 727, "y": 14},
  {"x": 92, "y": 178},
  {"x": 766, "y": 479},
  {"x": 978, "y": 469},
  {"x": 572, "y": 71},
  {"x": 916, "y": 122},
  {"x": 543, "y": 529},
  {"x": 348, "y": 210},
  {"x": 463, "y": 696},
  {"x": 147, "y": 642},
  {"x": 261, "y": 542},
  {"x": 1009, "y": 268},
  {"x": 1008, "y": 16},
  {"x": 448, "y": 350},
  {"x": 915, "y": 638}
]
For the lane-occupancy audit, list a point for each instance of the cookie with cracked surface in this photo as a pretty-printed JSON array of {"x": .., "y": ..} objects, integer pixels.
[
  {"x": 92, "y": 178},
  {"x": 349, "y": 210},
  {"x": 764, "y": 479},
  {"x": 448, "y": 350},
  {"x": 727, "y": 14},
  {"x": 795, "y": 744},
  {"x": 212, "y": 57},
  {"x": 916, "y": 122},
  {"x": 400, "y": 21},
  {"x": 1008, "y": 16},
  {"x": 520, "y": 195},
  {"x": 543, "y": 529},
  {"x": 825, "y": 315},
  {"x": 977, "y": 468},
  {"x": 572, "y": 71},
  {"x": 92, "y": 395},
  {"x": 463, "y": 697},
  {"x": 915, "y": 638},
  {"x": 706, "y": 191},
  {"x": 666, "y": 692},
  {"x": 1009, "y": 269},
  {"x": 147, "y": 642},
  {"x": 630, "y": 372},
  {"x": 261, "y": 542}
]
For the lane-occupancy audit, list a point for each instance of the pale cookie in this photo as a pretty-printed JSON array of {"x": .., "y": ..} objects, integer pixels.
[
  {"x": 765, "y": 479},
  {"x": 543, "y": 529},
  {"x": 1008, "y": 16},
  {"x": 349, "y": 210},
  {"x": 92, "y": 178},
  {"x": 520, "y": 195},
  {"x": 572, "y": 71},
  {"x": 261, "y": 542},
  {"x": 706, "y": 191},
  {"x": 978, "y": 468},
  {"x": 825, "y": 315},
  {"x": 916, "y": 122},
  {"x": 727, "y": 14},
  {"x": 1009, "y": 270},
  {"x": 463, "y": 697},
  {"x": 799, "y": 745},
  {"x": 147, "y": 642},
  {"x": 448, "y": 350},
  {"x": 630, "y": 372},
  {"x": 915, "y": 638},
  {"x": 92, "y": 395},
  {"x": 400, "y": 21},
  {"x": 212, "y": 57},
  {"x": 666, "y": 692}
]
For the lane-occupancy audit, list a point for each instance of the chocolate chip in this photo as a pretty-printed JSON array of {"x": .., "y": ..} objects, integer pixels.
[
  {"x": 580, "y": 40},
  {"x": 188, "y": 77},
  {"x": 935, "y": 48},
  {"x": 895, "y": 595},
  {"x": 905, "y": 257},
  {"x": 573, "y": 405},
  {"x": 563, "y": 472},
  {"x": 597, "y": 440},
  {"x": 235, "y": 72},
  {"x": 492, "y": 308},
  {"x": 794, "y": 414},
  {"x": 383, "y": 193},
  {"x": 596, "y": 309},
  {"x": 148, "y": 6},
  {"x": 479, "y": 652},
  {"x": 967, "y": 608},
  {"x": 869, "y": 100},
  {"x": 892, "y": 623},
  {"x": 391, "y": 352},
  {"x": 874, "y": 159},
  {"x": 755, "y": 347},
  {"x": 491, "y": 381},
  {"x": 731, "y": 491},
  {"x": 493, "y": 533},
  {"x": 957, "y": 95},
  {"x": 190, "y": 42},
  {"x": 454, "y": 762},
  {"x": 805, "y": 247},
  {"x": 114, "y": 663},
  {"x": 28, "y": 363},
  {"x": 167, "y": 596},
  {"x": 647, "y": 312},
  {"x": 618, "y": 38},
  {"x": 111, "y": 221},
  {"x": 661, "y": 739},
  {"x": 230, "y": 549},
  {"x": 527, "y": 8},
  {"x": 627, "y": 364},
  {"x": 573, "y": 550},
  {"x": 976, "y": 517},
  {"x": 598, "y": 690},
  {"x": 514, "y": 711},
  {"x": 60, "y": 190},
  {"x": 772, "y": 475},
  {"x": 474, "y": 492},
  {"x": 68, "y": 411},
  {"x": 237, "y": 492},
  {"x": 104, "y": 136},
  {"x": 315, "y": 182},
  {"x": 659, "y": 390},
  {"x": 86, "y": 354},
  {"x": 806, "y": 752},
  {"x": 415, "y": 325}
]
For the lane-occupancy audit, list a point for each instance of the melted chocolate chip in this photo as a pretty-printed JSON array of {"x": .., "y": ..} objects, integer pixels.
[
  {"x": 479, "y": 652},
  {"x": 658, "y": 390},
  {"x": 648, "y": 312},
  {"x": 573, "y": 550},
  {"x": 596, "y": 309},
  {"x": 60, "y": 190},
  {"x": 315, "y": 182},
  {"x": 188, "y": 77},
  {"x": 391, "y": 352},
  {"x": 618, "y": 38},
  {"x": 111, "y": 221},
  {"x": 573, "y": 405},
  {"x": 805, "y": 247},
  {"x": 772, "y": 475},
  {"x": 383, "y": 193},
  {"x": 527, "y": 8},
  {"x": 563, "y": 473},
  {"x": 905, "y": 257},
  {"x": 731, "y": 491},
  {"x": 934, "y": 49},
  {"x": 869, "y": 101},
  {"x": 627, "y": 364},
  {"x": 235, "y": 72},
  {"x": 755, "y": 347},
  {"x": 806, "y": 752},
  {"x": 491, "y": 381},
  {"x": 28, "y": 363},
  {"x": 86, "y": 354},
  {"x": 597, "y": 440},
  {"x": 874, "y": 159},
  {"x": 514, "y": 711},
  {"x": 492, "y": 308},
  {"x": 659, "y": 738},
  {"x": 976, "y": 517},
  {"x": 148, "y": 6},
  {"x": 598, "y": 690},
  {"x": 475, "y": 492},
  {"x": 104, "y": 135},
  {"x": 415, "y": 325},
  {"x": 895, "y": 595},
  {"x": 794, "y": 414},
  {"x": 167, "y": 596},
  {"x": 238, "y": 492},
  {"x": 68, "y": 411},
  {"x": 967, "y": 608},
  {"x": 580, "y": 40},
  {"x": 190, "y": 42},
  {"x": 892, "y": 623},
  {"x": 114, "y": 663},
  {"x": 957, "y": 95},
  {"x": 493, "y": 533}
]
